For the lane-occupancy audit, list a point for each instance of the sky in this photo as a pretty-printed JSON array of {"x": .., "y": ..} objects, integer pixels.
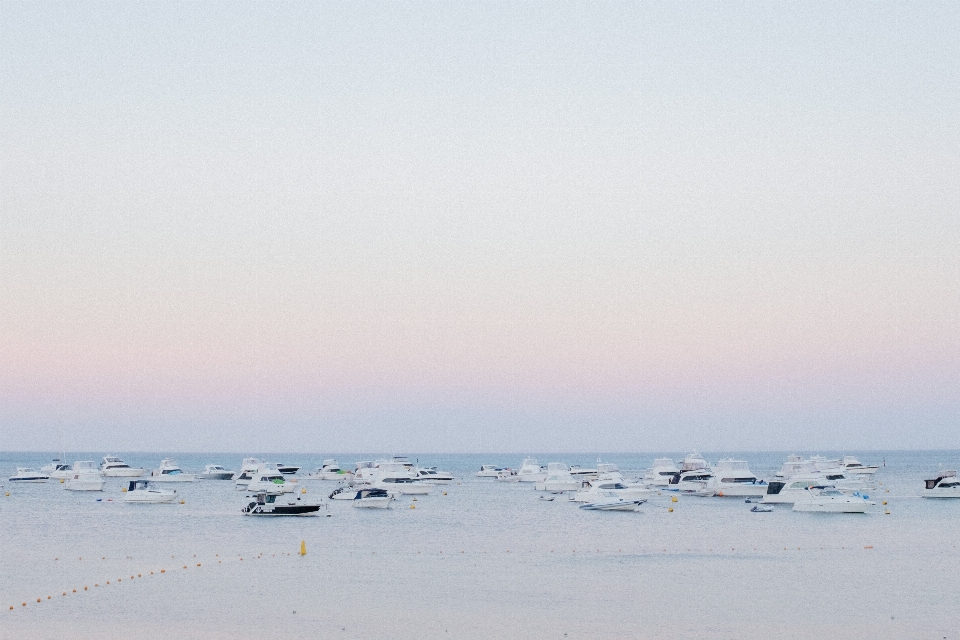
[{"x": 479, "y": 226}]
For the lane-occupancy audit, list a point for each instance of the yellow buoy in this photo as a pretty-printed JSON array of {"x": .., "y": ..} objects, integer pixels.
[
  {"x": 303, "y": 547},
  {"x": 182, "y": 501},
  {"x": 303, "y": 489},
  {"x": 123, "y": 490},
  {"x": 670, "y": 510},
  {"x": 413, "y": 506},
  {"x": 884, "y": 502},
  {"x": 61, "y": 480},
  {"x": 444, "y": 493},
  {"x": 673, "y": 498}
]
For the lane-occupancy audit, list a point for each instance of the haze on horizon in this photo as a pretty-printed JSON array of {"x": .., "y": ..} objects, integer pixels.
[{"x": 541, "y": 226}]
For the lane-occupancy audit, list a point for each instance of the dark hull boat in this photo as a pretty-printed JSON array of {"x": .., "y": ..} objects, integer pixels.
[{"x": 269, "y": 504}]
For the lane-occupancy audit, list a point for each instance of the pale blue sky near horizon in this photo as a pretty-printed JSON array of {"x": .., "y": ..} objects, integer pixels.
[{"x": 479, "y": 226}]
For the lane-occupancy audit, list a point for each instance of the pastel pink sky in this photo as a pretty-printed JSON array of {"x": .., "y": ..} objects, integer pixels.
[{"x": 463, "y": 227}]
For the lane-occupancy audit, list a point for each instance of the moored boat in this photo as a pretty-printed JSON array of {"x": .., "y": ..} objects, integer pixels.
[
  {"x": 144, "y": 491},
  {"x": 825, "y": 499},
  {"x": 170, "y": 472},
  {"x": 28, "y": 474},
  {"x": 945, "y": 485},
  {"x": 267, "y": 503},
  {"x": 216, "y": 472},
  {"x": 114, "y": 467},
  {"x": 86, "y": 477}
]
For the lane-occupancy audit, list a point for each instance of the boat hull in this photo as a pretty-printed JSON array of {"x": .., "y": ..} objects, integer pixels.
[
  {"x": 180, "y": 477},
  {"x": 149, "y": 497},
  {"x": 832, "y": 507},
  {"x": 372, "y": 503},
  {"x": 227, "y": 475},
  {"x": 739, "y": 490},
  {"x": 129, "y": 472},
  {"x": 84, "y": 485},
  {"x": 621, "y": 505},
  {"x": 281, "y": 510},
  {"x": 940, "y": 493}
]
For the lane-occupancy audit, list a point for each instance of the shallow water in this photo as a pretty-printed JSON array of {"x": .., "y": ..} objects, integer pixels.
[{"x": 486, "y": 560}]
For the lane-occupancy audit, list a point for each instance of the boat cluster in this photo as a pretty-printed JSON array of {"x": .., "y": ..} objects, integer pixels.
[
  {"x": 808, "y": 484},
  {"x": 272, "y": 486}
]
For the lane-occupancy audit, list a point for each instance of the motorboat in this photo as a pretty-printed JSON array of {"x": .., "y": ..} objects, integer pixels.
[
  {"x": 796, "y": 465},
  {"x": 268, "y": 479},
  {"x": 268, "y": 503},
  {"x": 114, "y": 467},
  {"x": 372, "y": 498},
  {"x": 488, "y": 471},
  {"x": 610, "y": 501},
  {"x": 287, "y": 469},
  {"x": 530, "y": 471},
  {"x": 170, "y": 472},
  {"x": 790, "y": 490},
  {"x": 557, "y": 479},
  {"x": 248, "y": 467},
  {"x": 609, "y": 471},
  {"x": 28, "y": 474},
  {"x": 330, "y": 471},
  {"x": 581, "y": 473},
  {"x": 402, "y": 486},
  {"x": 86, "y": 477},
  {"x": 854, "y": 467},
  {"x": 733, "y": 478},
  {"x": 593, "y": 490},
  {"x": 144, "y": 491},
  {"x": 506, "y": 475},
  {"x": 431, "y": 475},
  {"x": 826, "y": 499},
  {"x": 694, "y": 462},
  {"x": 945, "y": 485},
  {"x": 761, "y": 508},
  {"x": 57, "y": 470},
  {"x": 664, "y": 472},
  {"x": 692, "y": 481},
  {"x": 216, "y": 472},
  {"x": 345, "y": 492}
]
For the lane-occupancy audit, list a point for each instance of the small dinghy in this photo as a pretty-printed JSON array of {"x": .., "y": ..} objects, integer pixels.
[
  {"x": 26, "y": 474},
  {"x": 761, "y": 508},
  {"x": 547, "y": 498}
]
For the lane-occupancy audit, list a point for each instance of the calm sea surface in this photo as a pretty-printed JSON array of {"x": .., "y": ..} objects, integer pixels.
[{"x": 486, "y": 560}]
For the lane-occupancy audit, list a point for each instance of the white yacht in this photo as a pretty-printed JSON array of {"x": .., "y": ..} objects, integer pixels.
[
  {"x": 330, "y": 471},
  {"x": 557, "y": 479},
  {"x": 269, "y": 503},
  {"x": 611, "y": 501},
  {"x": 114, "y": 467},
  {"x": 248, "y": 467},
  {"x": 86, "y": 477},
  {"x": 827, "y": 499},
  {"x": 170, "y": 472},
  {"x": 693, "y": 481},
  {"x": 506, "y": 475},
  {"x": 287, "y": 469},
  {"x": 733, "y": 478},
  {"x": 372, "y": 498},
  {"x": 581, "y": 473},
  {"x": 430, "y": 474},
  {"x": 488, "y": 471},
  {"x": 853, "y": 466},
  {"x": 216, "y": 472},
  {"x": 788, "y": 491},
  {"x": 144, "y": 491},
  {"x": 593, "y": 490},
  {"x": 693, "y": 462},
  {"x": 663, "y": 473},
  {"x": 530, "y": 471},
  {"x": 268, "y": 479},
  {"x": 945, "y": 485},
  {"x": 56, "y": 469},
  {"x": 28, "y": 474}
]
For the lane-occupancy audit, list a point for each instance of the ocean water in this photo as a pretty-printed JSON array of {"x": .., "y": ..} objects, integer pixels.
[{"x": 484, "y": 560}]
